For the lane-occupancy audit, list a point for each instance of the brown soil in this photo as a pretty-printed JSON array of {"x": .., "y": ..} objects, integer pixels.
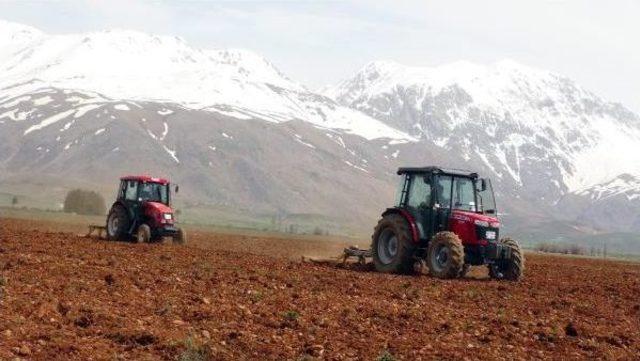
[{"x": 67, "y": 297}]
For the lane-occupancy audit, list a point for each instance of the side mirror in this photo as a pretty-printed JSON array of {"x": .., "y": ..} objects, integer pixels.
[
  {"x": 176, "y": 189},
  {"x": 483, "y": 185}
]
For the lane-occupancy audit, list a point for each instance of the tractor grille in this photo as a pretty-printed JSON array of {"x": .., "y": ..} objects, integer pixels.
[{"x": 482, "y": 232}]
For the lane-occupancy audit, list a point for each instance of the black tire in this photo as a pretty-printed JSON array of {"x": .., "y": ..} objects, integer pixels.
[
  {"x": 118, "y": 223},
  {"x": 392, "y": 246},
  {"x": 509, "y": 269},
  {"x": 143, "y": 235},
  {"x": 180, "y": 237},
  {"x": 445, "y": 255}
]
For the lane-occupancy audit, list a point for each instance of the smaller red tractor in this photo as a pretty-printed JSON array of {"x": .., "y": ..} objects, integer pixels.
[
  {"x": 142, "y": 211},
  {"x": 447, "y": 219}
]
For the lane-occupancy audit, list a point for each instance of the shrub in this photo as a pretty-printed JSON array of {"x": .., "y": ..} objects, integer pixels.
[
  {"x": 84, "y": 202},
  {"x": 386, "y": 356},
  {"x": 291, "y": 315},
  {"x": 14, "y": 200},
  {"x": 194, "y": 351}
]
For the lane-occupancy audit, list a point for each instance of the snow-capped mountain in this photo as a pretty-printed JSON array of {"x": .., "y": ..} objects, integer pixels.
[
  {"x": 237, "y": 134},
  {"x": 614, "y": 204},
  {"x": 539, "y": 133},
  {"x": 123, "y": 64},
  {"x": 625, "y": 185},
  {"x": 83, "y": 109}
]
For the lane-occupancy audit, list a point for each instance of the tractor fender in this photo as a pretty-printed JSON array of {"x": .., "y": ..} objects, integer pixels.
[{"x": 415, "y": 235}]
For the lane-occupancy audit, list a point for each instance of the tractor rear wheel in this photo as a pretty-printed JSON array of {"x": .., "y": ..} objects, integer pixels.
[
  {"x": 392, "y": 246},
  {"x": 509, "y": 269},
  {"x": 117, "y": 223},
  {"x": 144, "y": 234},
  {"x": 445, "y": 255},
  {"x": 180, "y": 237}
]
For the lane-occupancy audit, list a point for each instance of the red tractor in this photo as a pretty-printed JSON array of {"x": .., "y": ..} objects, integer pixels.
[
  {"x": 447, "y": 219},
  {"x": 142, "y": 211}
]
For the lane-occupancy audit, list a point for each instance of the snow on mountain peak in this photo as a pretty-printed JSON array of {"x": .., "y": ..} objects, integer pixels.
[
  {"x": 132, "y": 65},
  {"x": 14, "y": 34},
  {"x": 481, "y": 82},
  {"x": 517, "y": 120},
  {"x": 624, "y": 184},
  {"x": 9, "y": 27}
]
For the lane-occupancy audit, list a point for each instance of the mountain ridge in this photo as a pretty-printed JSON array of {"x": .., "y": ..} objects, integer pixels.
[
  {"x": 133, "y": 65},
  {"x": 431, "y": 102},
  {"x": 238, "y": 133}
]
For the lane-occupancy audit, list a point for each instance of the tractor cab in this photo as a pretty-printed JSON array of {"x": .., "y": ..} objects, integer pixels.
[
  {"x": 142, "y": 210},
  {"x": 144, "y": 189},
  {"x": 440, "y": 198},
  {"x": 446, "y": 218}
]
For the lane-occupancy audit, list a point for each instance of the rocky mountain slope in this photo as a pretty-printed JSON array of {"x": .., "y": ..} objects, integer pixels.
[
  {"x": 136, "y": 66},
  {"x": 614, "y": 204},
  {"x": 543, "y": 137},
  {"x": 226, "y": 124},
  {"x": 236, "y": 133}
]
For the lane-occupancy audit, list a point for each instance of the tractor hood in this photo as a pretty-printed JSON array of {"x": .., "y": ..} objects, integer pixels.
[
  {"x": 157, "y": 207},
  {"x": 475, "y": 218}
]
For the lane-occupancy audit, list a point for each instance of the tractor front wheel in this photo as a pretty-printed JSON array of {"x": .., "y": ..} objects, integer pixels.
[
  {"x": 392, "y": 247},
  {"x": 445, "y": 255},
  {"x": 144, "y": 234},
  {"x": 509, "y": 269},
  {"x": 180, "y": 237},
  {"x": 117, "y": 223}
]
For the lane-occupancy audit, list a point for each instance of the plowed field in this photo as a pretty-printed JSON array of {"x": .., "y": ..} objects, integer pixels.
[{"x": 67, "y": 297}]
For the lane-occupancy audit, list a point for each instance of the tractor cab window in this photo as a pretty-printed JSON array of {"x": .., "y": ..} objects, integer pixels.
[
  {"x": 131, "y": 191},
  {"x": 419, "y": 192},
  {"x": 154, "y": 192},
  {"x": 400, "y": 190},
  {"x": 464, "y": 194},
  {"x": 443, "y": 191},
  {"x": 123, "y": 187}
]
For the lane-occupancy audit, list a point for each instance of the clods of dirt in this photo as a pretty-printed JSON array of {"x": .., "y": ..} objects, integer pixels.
[{"x": 232, "y": 297}]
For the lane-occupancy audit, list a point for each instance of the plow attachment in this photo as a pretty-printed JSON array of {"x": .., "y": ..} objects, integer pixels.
[
  {"x": 354, "y": 251},
  {"x": 100, "y": 231}
]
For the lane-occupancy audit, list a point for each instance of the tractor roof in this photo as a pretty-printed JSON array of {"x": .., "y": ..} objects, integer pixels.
[
  {"x": 145, "y": 178},
  {"x": 438, "y": 170}
]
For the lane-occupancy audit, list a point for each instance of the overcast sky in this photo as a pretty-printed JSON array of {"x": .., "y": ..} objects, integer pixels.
[{"x": 321, "y": 42}]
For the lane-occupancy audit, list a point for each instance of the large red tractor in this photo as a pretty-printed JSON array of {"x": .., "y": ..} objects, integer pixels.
[
  {"x": 142, "y": 211},
  {"x": 447, "y": 219}
]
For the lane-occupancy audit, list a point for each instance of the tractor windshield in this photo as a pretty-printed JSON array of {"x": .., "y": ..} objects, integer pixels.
[
  {"x": 154, "y": 192},
  {"x": 456, "y": 193},
  {"x": 464, "y": 196}
]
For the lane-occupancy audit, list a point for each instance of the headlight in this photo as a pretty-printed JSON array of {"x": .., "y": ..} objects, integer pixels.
[
  {"x": 481, "y": 223},
  {"x": 168, "y": 216}
]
